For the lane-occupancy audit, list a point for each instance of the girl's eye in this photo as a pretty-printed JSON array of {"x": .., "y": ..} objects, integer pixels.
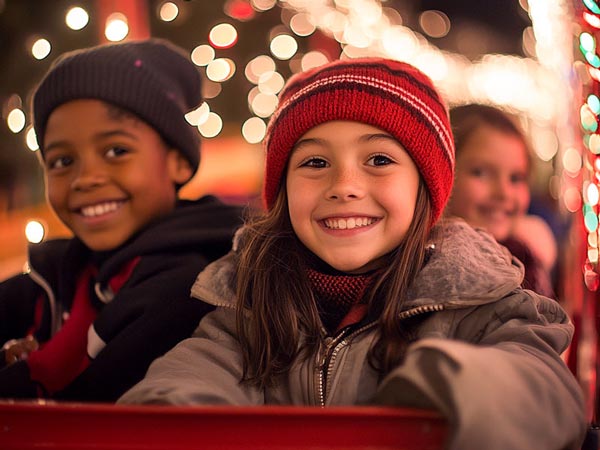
[
  {"x": 379, "y": 160},
  {"x": 116, "y": 151},
  {"x": 316, "y": 163},
  {"x": 518, "y": 178},
  {"x": 479, "y": 172},
  {"x": 59, "y": 162}
]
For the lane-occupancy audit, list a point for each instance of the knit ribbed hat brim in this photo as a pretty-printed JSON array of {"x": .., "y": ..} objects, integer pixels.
[
  {"x": 153, "y": 79},
  {"x": 390, "y": 95}
]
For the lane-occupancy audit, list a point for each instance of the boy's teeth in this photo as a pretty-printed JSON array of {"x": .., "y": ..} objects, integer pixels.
[
  {"x": 348, "y": 224},
  {"x": 99, "y": 209}
]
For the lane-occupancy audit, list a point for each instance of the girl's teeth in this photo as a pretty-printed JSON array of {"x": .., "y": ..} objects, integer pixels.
[{"x": 348, "y": 224}]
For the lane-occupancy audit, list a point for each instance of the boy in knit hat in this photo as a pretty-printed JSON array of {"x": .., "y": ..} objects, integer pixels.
[{"x": 91, "y": 312}]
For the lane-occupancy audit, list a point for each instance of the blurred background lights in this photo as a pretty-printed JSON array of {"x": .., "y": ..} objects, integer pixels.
[
  {"x": 16, "y": 120},
  {"x": 199, "y": 115},
  {"x": 251, "y": 94},
  {"x": 594, "y": 103},
  {"x": 211, "y": 89},
  {"x": 168, "y": 12},
  {"x": 254, "y": 130},
  {"x": 592, "y": 6},
  {"x": 41, "y": 48},
  {"x": 263, "y": 5},
  {"x": 301, "y": 25},
  {"x": 116, "y": 28},
  {"x": 31, "y": 140},
  {"x": 545, "y": 144},
  {"x": 257, "y": 66},
  {"x": 591, "y": 19},
  {"x": 239, "y": 9},
  {"x": 212, "y": 126},
  {"x": 571, "y": 160},
  {"x": 572, "y": 199},
  {"x": 270, "y": 82},
  {"x": 357, "y": 37},
  {"x": 594, "y": 144},
  {"x": 313, "y": 59},
  {"x": 588, "y": 118},
  {"x": 593, "y": 240},
  {"x": 528, "y": 42},
  {"x": 434, "y": 23},
  {"x": 202, "y": 55},
  {"x": 34, "y": 231},
  {"x": 263, "y": 105},
  {"x": 587, "y": 42},
  {"x": 593, "y": 258},
  {"x": 591, "y": 220},
  {"x": 220, "y": 69},
  {"x": 592, "y": 194},
  {"x": 77, "y": 18},
  {"x": 284, "y": 46},
  {"x": 593, "y": 59},
  {"x": 223, "y": 35}
]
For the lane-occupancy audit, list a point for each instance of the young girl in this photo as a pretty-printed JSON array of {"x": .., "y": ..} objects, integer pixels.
[
  {"x": 491, "y": 189},
  {"x": 347, "y": 291}
]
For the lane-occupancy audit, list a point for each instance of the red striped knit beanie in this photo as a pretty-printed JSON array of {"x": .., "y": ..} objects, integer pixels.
[{"x": 390, "y": 95}]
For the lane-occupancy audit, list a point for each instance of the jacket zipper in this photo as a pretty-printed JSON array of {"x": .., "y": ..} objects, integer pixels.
[
  {"x": 334, "y": 345},
  {"x": 421, "y": 310},
  {"x": 326, "y": 362},
  {"x": 55, "y": 322}
]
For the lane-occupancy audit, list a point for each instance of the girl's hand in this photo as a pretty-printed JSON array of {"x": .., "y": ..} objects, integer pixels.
[{"x": 18, "y": 349}]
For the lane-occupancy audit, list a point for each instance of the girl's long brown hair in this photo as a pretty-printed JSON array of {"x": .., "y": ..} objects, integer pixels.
[{"x": 277, "y": 316}]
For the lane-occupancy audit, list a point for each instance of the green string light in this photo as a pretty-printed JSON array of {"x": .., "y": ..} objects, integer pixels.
[
  {"x": 592, "y": 6},
  {"x": 594, "y": 103},
  {"x": 587, "y": 43}
]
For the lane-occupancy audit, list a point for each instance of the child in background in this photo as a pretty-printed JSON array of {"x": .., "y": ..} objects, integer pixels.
[
  {"x": 348, "y": 290},
  {"x": 93, "y": 311},
  {"x": 491, "y": 189}
]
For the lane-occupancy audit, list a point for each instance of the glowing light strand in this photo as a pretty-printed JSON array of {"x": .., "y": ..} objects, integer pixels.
[{"x": 589, "y": 111}]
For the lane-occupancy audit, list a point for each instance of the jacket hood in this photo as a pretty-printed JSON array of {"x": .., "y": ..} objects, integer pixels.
[{"x": 466, "y": 267}]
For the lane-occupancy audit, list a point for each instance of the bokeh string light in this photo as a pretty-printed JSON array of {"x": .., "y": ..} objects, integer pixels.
[{"x": 588, "y": 117}]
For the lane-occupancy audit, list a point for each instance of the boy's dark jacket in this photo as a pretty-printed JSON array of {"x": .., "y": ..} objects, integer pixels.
[{"x": 149, "y": 314}]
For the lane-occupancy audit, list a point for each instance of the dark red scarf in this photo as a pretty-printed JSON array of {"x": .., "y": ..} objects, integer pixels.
[{"x": 341, "y": 299}]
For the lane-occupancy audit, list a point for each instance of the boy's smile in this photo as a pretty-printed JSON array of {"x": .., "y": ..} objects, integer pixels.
[
  {"x": 351, "y": 190},
  {"x": 108, "y": 173}
]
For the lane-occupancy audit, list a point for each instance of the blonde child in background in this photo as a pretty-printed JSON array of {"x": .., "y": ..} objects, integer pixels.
[
  {"x": 349, "y": 290},
  {"x": 492, "y": 189}
]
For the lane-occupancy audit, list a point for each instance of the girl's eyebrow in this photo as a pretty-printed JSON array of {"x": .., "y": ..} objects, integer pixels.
[
  {"x": 308, "y": 141},
  {"x": 376, "y": 136},
  {"x": 364, "y": 138}
]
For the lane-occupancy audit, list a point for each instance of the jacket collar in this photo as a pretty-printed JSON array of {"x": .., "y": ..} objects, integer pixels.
[{"x": 466, "y": 267}]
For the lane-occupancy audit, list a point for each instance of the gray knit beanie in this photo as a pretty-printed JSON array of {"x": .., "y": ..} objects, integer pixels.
[{"x": 154, "y": 79}]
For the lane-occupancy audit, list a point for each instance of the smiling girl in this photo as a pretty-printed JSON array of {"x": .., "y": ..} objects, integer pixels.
[{"x": 349, "y": 291}]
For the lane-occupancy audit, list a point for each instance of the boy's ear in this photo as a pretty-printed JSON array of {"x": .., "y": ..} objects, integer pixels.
[{"x": 178, "y": 167}]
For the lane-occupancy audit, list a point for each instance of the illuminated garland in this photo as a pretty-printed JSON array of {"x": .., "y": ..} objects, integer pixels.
[{"x": 588, "y": 115}]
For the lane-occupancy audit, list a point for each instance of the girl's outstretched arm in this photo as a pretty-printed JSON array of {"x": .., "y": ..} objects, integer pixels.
[
  {"x": 510, "y": 390},
  {"x": 205, "y": 369}
]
